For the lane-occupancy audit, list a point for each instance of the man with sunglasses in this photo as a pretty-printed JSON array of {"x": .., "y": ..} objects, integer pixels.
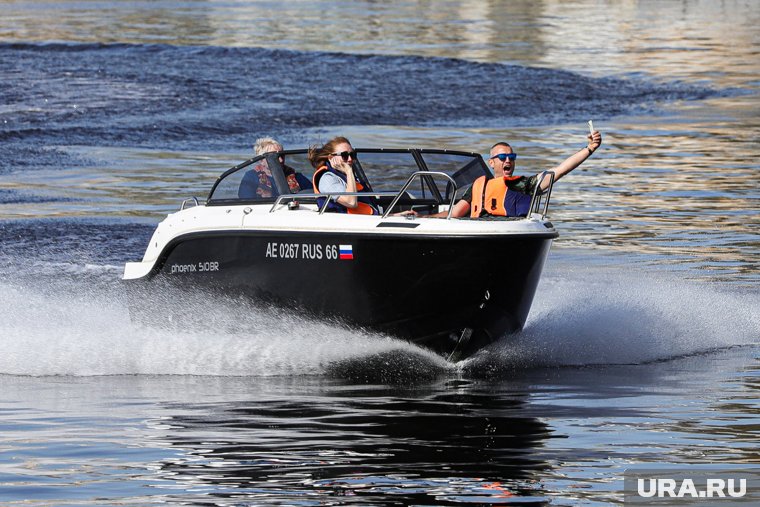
[
  {"x": 296, "y": 180},
  {"x": 509, "y": 195}
]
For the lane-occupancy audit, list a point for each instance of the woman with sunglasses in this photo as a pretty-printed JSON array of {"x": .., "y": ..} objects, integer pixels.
[
  {"x": 334, "y": 163},
  {"x": 509, "y": 195}
]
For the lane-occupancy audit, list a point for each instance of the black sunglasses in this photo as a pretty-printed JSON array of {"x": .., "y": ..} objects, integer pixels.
[
  {"x": 504, "y": 156},
  {"x": 345, "y": 154}
]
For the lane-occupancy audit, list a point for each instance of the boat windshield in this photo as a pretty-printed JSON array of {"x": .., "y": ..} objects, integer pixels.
[
  {"x": 253, "y": 180},
  {"x": 264, "y": 178}
]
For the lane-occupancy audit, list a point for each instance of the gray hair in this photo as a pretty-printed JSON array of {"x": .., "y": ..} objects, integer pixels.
[{"x": 263, "y": 145}]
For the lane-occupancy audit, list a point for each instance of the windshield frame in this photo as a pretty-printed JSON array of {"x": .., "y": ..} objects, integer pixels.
[{"x": 418, "y": 155}]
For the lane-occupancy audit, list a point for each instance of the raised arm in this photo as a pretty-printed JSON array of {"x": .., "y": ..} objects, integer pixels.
[{"x": 573, "y": 161}]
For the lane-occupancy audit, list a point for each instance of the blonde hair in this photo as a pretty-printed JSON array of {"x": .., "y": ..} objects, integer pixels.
[{"x": 263, "y": 144}]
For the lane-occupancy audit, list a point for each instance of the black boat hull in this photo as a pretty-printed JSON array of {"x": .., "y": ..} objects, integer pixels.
[{"x": 452, "y": 294}]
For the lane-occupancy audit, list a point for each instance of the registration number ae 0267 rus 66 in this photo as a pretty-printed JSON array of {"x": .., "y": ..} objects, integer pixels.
[{"x": 306, "y": 251}]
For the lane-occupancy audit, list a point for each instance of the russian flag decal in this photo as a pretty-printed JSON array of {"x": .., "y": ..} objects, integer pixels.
[{"x": 346, "y": 252}]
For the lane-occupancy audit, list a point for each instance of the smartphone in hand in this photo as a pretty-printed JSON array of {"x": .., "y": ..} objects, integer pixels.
[{"x": 590, "y": 126}]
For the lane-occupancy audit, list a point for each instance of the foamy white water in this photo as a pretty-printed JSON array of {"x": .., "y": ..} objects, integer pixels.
[
  {"x": 88, "y": 332},
  {"x": 623, "y": 316},
  {"x": 608, "y": 315}
]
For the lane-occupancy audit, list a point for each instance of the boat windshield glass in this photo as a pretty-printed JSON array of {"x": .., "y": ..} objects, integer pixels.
[
  {"x": 462, "y": 168},
  {"x": 251, "y": 181},
  {"x": 387, "y": 171},
  {"x": 264, "y": 178}
]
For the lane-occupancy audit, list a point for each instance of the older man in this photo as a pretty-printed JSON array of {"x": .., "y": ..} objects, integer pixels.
[{"x": 257, "y": 182}]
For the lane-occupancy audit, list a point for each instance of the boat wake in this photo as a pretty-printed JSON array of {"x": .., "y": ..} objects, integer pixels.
[
  {"x": 83, "y": 328},
  {"x": 624, "y": 318},
  {"x": 89, "y": 332}
]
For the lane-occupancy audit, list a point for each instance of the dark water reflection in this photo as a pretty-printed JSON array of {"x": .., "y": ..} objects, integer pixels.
[
  {"x": 539, "y": 435},
  {"x": 395, "y": 444}
]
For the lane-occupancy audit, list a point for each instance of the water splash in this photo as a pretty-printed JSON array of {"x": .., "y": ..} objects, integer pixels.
[
  {"x": 82, "y": 327},
  {"x": 85, "y": 330},
  {"x": 609, "y": 316}
]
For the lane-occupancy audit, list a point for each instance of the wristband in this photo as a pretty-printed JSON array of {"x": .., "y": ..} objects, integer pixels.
[{"x": 590, "y": 151}]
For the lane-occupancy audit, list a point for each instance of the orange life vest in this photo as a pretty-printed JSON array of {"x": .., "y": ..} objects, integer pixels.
[
  {"x": 494, "y": 197},
  {"x": 362, "y": 207}
]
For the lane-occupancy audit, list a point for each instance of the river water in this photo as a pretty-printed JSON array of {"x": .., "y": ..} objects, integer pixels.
[{"x": 643, "y": 342}]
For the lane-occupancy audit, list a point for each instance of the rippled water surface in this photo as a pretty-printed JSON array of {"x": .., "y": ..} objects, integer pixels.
[{"x": 642, "y": 344}]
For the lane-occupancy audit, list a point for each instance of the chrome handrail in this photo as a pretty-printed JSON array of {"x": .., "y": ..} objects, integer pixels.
[
  {"x": 193, "y": 199},
  {"x": 396, "y": 196},
  {"x": 538, "y": 194},
  {"x": 327, "y": 196},
  {"x": 409, "y": 182}
]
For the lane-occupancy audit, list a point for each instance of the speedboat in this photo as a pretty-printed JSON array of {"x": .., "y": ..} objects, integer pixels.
[{"x": 453, "y": 285}]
